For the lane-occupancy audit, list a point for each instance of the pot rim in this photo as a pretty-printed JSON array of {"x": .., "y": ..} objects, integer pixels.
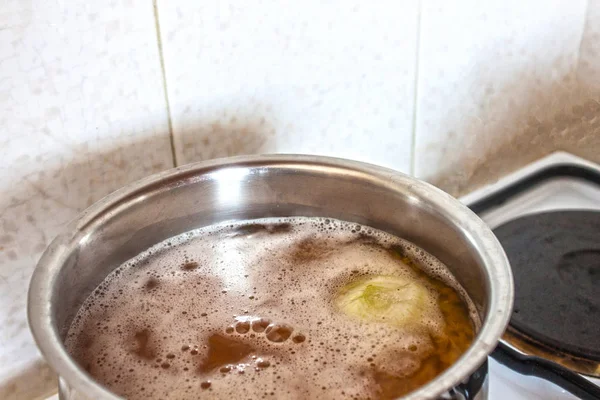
[{"x": 492, "y": 255}]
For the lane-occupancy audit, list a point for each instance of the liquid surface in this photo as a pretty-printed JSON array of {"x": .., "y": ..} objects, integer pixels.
[{"x": 297, "y": 308}]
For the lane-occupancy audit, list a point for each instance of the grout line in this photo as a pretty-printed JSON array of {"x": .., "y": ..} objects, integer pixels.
[
  {"x": 413, "y": 149},
  {"x": 164, "y": 82},
  {"x": 583, "y": 29}
]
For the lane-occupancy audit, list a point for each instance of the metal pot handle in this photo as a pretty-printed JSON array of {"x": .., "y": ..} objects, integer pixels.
[
  {"x": 544, "y": 369},
  {"x": 473, "y": 388}
]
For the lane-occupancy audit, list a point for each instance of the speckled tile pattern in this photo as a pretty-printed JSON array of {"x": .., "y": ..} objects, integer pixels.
[
  {"x": 82, "y": 113},
  {"x": 333, "y": 78},
  {"x": 497, "y": 89},
  {"x": 588, "y": 71}
]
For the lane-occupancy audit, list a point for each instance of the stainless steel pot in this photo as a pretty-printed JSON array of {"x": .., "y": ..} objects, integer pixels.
[{"x": 134, "y": 218}]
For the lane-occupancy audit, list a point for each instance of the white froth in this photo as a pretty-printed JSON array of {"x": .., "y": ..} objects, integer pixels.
[{"x": 267, "y": 285}]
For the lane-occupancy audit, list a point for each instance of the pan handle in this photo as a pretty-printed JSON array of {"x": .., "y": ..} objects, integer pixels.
[{"x": 544, "y": 369}]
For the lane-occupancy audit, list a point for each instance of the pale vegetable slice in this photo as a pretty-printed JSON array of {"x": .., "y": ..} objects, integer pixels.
[{"x": 394, "y": 300}]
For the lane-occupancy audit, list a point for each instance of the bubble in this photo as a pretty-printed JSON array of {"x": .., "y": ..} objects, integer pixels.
[
  {"x": 242, "y": 327},
  {"x": 299, "y": 338},
  {"x": 260, "y": 325},
  {"x": 278, "y": 333},
  {"x": 260, "y": 363},
  {"x": 205, "y": 384}
]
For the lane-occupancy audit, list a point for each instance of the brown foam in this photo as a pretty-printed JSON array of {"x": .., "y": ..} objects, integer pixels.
[{"x": 245, "y": 310}]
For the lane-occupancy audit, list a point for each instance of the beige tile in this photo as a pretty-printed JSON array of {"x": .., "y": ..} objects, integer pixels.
[
  {"x": 332, "y": 78},
  {"x": 497, "y": 89},
  {"x": 82, "y": 112}
]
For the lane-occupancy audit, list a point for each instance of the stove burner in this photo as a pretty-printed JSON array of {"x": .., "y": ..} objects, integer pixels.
[{"x": 555, "y": 258}]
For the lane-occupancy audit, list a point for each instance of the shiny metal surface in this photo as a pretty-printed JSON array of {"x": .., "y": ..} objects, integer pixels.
[{"x": 132, "y": 219}]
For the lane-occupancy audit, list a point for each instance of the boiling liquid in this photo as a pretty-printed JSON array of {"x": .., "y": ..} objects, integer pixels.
[{"x": 248, "y": 310}]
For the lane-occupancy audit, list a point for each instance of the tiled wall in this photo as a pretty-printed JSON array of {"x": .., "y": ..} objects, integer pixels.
[
  {"x": 333, "y": 78},
  {"x": 501, "y": 84},
  {"x": 90, "y": 100}
]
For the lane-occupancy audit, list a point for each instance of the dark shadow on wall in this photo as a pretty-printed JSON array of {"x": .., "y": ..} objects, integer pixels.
[
  {"x": 562, "y": 116},
  {"x": 228, "y": 134},
  {"x": 533, "y": 113},
  {"x": 34, "y": 211}
]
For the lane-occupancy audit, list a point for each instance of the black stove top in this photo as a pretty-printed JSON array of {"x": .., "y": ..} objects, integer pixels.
[
  {"x": 555, "y": 258},
  {"x": 547, "y": 218}
]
